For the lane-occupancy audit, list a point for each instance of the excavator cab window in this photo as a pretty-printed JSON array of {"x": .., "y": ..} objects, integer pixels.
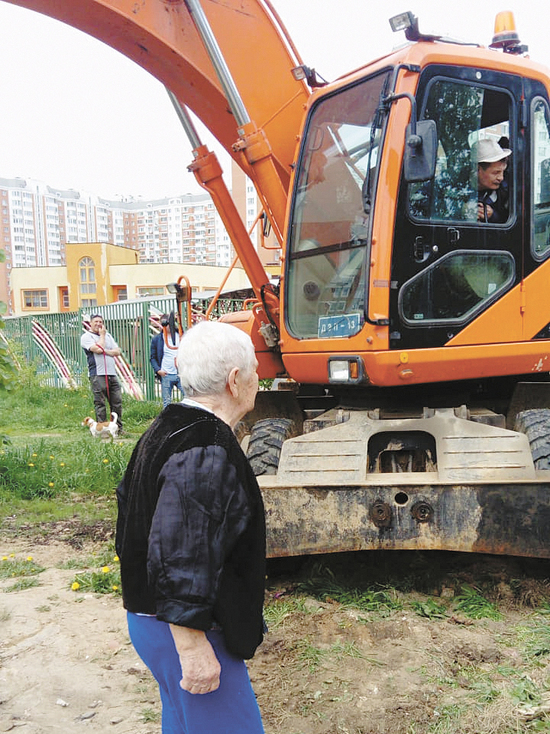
[
  {"x": 329, "y": 226},
  {"x": 464, "y": 114},
  {"x": 456, "y": 287},
  {"x": 541, "y": 179}
]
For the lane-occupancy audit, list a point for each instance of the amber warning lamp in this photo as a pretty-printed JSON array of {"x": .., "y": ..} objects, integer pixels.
[{"x": 506, "y": 36}]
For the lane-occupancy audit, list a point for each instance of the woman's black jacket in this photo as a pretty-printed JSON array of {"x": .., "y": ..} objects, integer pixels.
[{"x": 191, "y": 529}]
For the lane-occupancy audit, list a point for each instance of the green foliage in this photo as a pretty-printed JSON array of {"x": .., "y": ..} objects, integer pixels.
[
  {"x": 51, "y": 468},
  {"x": 10, "y": 567},
  {"x": 150, "y": 716},
  {"x": 22, "y": 570},
  {"x": 33, "y": 407},
  {"x": 139, "y": 414},
  {"x": 275, "y": 612},
  {"x": 312, "y": 656},
  {"x": 104, "y": 581},
  {"x": 535, "y": 638},
  {"x": 48, "y": 468},
  {"x": 323, "y": 584},
  {"x": 472, "y": 604},
  {"x": 430, "y": 609},
  {"x": 22, "y": 584},
  {"x": 7, "y": 365}
]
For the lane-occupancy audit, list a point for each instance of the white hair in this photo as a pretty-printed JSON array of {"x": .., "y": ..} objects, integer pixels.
[{"x": 208, "y": 352}]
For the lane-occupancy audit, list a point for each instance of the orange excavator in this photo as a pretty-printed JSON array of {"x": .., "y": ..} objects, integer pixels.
[{"x": 409, "y": 337}]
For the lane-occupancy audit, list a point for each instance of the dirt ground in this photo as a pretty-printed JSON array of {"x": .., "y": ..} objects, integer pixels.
[{"x": 66, "y": 664}]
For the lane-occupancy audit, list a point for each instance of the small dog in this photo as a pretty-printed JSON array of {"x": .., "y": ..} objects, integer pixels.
[{"x": 102, "y": 430}]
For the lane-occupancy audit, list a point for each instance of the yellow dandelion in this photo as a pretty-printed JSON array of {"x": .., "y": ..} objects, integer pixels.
[
  {"x": 4, "y": 558},
  {"x": 105, "y": 569},
  {"x": 62, "y": 463},
  {"x": 105, "y": 461},
  {"x": 12, "y": 555},
  {"x": 75, "y": 586},
  {"x": 115, "y": 587},
  {"x": 35, "y": 455},
  {"x": 116, "y": 559},
  {"x": 29, "y": 558},
  {"x": 51, "y": 484},
  {"x": 31, "y": 464},
  {"x": 52, "y": 457}
]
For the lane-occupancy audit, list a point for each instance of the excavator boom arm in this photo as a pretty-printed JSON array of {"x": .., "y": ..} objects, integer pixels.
[{"x": 160, "y": 36}]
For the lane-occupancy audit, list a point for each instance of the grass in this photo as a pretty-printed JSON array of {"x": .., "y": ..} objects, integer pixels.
[
  {"x": 10, "y": 567},
  {"x": 150, "y": 716},
  {"x": 51, "y": 469},
  {"x": 535, "y": 638},
  {"x": 72, "y": 483},
  {"x": 33, "y": 407},
  {"x": 324, "y": 585},
  {"x": 277, "y": 611},
  {"x": 24, "y": 570},
  {"x": 21, "y": 585},
  {"x": 475, "y": 606},
  {"x": 104, "y": 581}
]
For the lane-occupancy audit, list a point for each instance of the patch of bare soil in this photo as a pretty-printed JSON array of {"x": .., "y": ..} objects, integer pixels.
[{"x": 66, "y": 663}]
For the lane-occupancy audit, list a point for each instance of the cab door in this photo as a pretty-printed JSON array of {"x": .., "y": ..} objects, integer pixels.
[{"x": 448, "y": 267}]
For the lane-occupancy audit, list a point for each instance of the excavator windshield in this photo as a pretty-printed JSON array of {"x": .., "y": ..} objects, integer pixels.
[{"x": 330, "y": 216}]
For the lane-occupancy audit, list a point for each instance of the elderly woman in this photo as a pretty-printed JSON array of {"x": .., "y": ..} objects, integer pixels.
[{"x": 191, "y": 541}]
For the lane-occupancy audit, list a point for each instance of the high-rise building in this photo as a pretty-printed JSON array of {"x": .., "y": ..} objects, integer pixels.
[{"x": 38, "y": 221}]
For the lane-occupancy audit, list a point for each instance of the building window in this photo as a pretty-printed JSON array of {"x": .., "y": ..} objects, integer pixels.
[
  {"x": 35, "y": 299},
  {"x": 63, "y": 298},
  {"x": 87, "y": 281},
  {"x": 150, "y": 291}
]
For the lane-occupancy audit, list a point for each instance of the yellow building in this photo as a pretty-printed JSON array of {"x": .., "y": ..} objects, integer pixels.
[{"x": 97, "y": 273}]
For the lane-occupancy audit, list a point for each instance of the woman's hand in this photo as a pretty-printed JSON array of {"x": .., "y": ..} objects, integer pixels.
[{"x": 200, "y": 669}]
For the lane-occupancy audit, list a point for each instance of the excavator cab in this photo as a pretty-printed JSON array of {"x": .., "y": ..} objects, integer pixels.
[{"x": 388, "y": 260}]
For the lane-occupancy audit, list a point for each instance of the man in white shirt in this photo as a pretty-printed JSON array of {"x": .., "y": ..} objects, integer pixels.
[{"x": 101, "y": 349}]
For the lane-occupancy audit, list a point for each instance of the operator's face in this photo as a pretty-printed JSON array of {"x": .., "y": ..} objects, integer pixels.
[
  {"x": 492, "y": 176},
  {"x": 96, "y": 324}
]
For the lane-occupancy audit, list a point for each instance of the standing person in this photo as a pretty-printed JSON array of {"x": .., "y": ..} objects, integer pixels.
[
  {"x": 492, "y": 161},
  {"x": 191, "y": 541},
  {"x": 164, "y": 347},
  {"x": 101, "y": 349}
]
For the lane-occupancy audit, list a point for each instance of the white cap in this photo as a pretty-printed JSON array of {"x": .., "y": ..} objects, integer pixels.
[{"x": 489, "y": 151}]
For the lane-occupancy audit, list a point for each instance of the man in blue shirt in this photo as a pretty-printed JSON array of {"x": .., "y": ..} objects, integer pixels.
[{"x": 164, "y": 347}]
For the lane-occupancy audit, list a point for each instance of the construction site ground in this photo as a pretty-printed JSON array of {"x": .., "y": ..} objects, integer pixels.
[{"x": 409, "y": 664}]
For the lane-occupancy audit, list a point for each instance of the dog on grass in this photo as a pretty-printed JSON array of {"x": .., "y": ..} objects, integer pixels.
[{"x": 102, "y": 430}]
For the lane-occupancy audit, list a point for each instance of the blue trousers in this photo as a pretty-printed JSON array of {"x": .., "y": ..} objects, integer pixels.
[
  {"x": 167, "y": 384},
  {"x": 232, "y": 709}
]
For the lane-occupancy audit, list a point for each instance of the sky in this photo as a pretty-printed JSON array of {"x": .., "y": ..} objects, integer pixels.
[{"x": 73, "y": 112}]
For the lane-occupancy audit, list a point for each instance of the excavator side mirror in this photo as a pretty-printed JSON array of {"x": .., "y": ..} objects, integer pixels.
[{"x": 420, "y": 151}]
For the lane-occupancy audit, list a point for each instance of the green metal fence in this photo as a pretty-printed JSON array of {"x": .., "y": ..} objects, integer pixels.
[{"x": 127, "y": 321}]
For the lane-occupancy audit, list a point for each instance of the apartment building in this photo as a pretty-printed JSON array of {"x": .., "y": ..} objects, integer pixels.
[{"x": 39, "y": 221}]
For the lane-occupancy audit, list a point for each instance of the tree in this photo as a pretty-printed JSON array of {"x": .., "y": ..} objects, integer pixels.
[{"x": 7, "y": 365}]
